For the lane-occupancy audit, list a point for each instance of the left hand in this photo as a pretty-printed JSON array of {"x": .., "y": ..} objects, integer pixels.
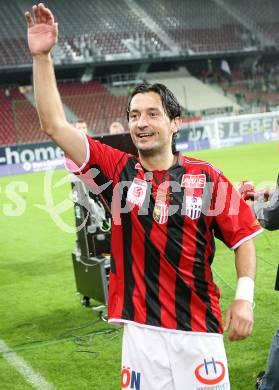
[{"x": 239, "y": 320}]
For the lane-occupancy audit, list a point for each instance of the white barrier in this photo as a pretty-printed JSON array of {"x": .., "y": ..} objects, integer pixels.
[{"x": 228, "y": 131}]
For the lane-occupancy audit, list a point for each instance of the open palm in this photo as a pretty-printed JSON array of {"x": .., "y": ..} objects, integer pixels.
[{"x": 42, "y": 30}]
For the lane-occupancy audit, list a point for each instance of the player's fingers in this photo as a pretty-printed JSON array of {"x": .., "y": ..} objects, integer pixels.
[
  {"x": 250, "y": 328},
  {"x": 227, "y": 320},
  {"x": 246, "y": 329},
  {"x": 234, "y": 335},
  {"x": 46, "y": 14},
  {"x": 235, "y": 332},
  {"x": 36, "y": 13},
  {"x": 29, "y": 19},
  {"x": 42, "y": 13},
  {"x": 240, "y": 330}
]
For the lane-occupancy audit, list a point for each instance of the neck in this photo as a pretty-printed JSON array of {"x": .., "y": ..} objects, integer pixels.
[{"x": 158, "y": 162}]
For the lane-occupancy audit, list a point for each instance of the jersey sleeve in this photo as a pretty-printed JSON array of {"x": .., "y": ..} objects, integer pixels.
[
  {"x": 234, "y": 221},
  {"x": 100, "y": 157}
]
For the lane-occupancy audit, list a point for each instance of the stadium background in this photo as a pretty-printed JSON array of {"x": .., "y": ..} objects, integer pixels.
[{"x": 220, "y": 57}]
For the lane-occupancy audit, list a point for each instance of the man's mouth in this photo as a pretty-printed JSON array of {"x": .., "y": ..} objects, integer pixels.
[{"x": 144, "y": 135}]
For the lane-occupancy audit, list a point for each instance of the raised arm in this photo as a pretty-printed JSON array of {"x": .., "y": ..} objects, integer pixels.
[
  {"x": 42, "y": 37},
  {"x": 239, "y": 317}
]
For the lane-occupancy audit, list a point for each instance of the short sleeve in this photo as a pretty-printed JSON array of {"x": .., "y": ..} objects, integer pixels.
[
  {"x": 99, "y": 156},
  {"x": 235, "y": 222}
]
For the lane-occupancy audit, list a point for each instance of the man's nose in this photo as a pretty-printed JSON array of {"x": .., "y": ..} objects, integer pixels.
[{"x": 142, "y": 121}]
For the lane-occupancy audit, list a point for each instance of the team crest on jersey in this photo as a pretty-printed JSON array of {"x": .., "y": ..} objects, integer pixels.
[
  {"x": 193, "y": 206},
  {"x": 193, "y": 181},
  {"x": 137, "y": 191},
  {"x": 161, "y": 212}
]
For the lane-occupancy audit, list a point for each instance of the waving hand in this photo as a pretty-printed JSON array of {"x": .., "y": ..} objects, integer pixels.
[{"x": 42, "y": 30}]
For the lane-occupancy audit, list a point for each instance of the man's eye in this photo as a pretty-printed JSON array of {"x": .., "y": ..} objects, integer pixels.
[
  {"x": 133, "y": 116},
  {"x": 153, "y": 114}
]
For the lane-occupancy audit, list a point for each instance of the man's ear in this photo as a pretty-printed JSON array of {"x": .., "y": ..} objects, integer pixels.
[{"x": 176, "y": 124}]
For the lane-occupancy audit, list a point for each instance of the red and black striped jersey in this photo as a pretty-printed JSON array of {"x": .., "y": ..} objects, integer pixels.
[{"x": 164, "y": 224}]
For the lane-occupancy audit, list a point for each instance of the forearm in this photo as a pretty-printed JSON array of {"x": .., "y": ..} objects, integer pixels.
[
  {"x": 48, "y": 101},
  {"x": 51, "y": 112},
  {"x": 245, "y": 260},
  {"x": 42, "y": 37},
  {"x": 239, "y": 316}
]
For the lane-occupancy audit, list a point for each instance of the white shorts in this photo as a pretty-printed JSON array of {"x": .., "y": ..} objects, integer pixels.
[{"x": 159, "y": 359}]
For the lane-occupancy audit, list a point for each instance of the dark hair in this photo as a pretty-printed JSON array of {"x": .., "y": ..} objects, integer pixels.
[
  {"x": 80, "y": 120},
  {"x": 169, "y": 101}
]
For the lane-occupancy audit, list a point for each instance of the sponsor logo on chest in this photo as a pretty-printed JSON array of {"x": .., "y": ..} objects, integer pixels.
[
  {"x": 193, "y": 206},
  {"x": 193, "y": 181},
  {"x": 161, "y": 212},
  {"x": 137, "y": 191}
]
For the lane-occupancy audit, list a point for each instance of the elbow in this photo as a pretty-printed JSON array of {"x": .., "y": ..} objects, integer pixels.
[
  {"x": 51, "y": 128},
  {"x": 51, "y": 121},
  {"x": 46, "y": 129}
]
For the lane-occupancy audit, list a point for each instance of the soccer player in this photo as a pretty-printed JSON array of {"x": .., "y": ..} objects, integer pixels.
[{"x": 166, "y": 211}]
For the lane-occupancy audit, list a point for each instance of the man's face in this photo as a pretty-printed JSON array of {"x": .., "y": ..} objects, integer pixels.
[
  {"x": 150, "y": 127},
  {"x": 82, "y": 126},
  {"x": 116, "y": 128}
]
